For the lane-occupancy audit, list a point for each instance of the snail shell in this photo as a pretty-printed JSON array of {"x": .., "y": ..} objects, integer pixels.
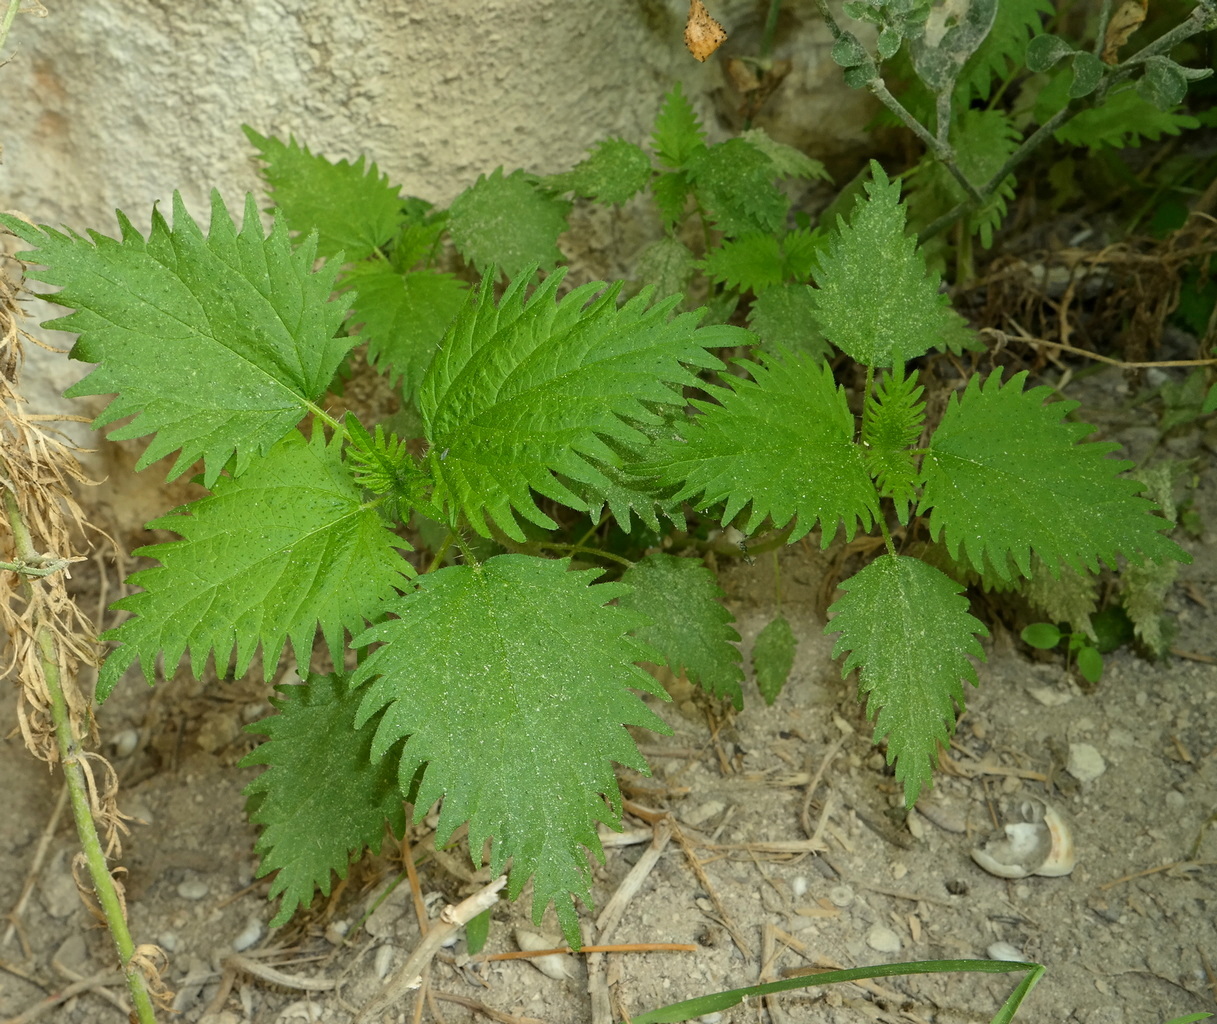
[{"x": 1041, "y": 843}]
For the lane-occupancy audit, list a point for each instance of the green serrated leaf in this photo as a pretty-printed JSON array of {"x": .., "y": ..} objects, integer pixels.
[
  {"x": 324, "y": 799},
  {"x": 1005, "y": 476},
  {"x": 511, "y": 682},
  {"x": 781, "y": 444},
  {"x": 536, "y": 387},
  {"x": 667, "y": 265},
  {"x": 984, "y": 140},
  {"x": 1182, "y": 401},
  {"x": 402, "y": 317},
  {"x": 874, "y": 298},
  {"x": 787, "y": 161},
  {"x": 507, "y": 222},
  {"x": 784, "y": 319},
  {"x": 892, "y": 420},
  {"x": 1144, "y": 587},
  {"x": 773, "y": 657},
  {"x": 383, "y": 464},
  {"x": 631, "y": 491},
  {"x": 614, "y": 173},
  {"x": 687, "y": 623},
  {"x": 249, "y": 325},
  {"x": 1069, "y": 596},
  {"x": 1124, "y": 119},
  {"x": 678, "y": 134},
  {"x": 270, "y": 556},
  {"x": 734, "y": 182},
  {"x": 353, "y": 211},
  {"x": 419, "y": 237},
  {"x": 800, "y": 249},
  {"x": 909, "y": 634},
  {"x": 671, "y": 194},
  {"x": 750, "y": 263}
]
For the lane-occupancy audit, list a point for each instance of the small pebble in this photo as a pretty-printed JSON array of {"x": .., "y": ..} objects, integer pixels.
[
  {"x": 1049, "y": 697},
  {"x": 840, "y": 895},
  {"x": 1085, "y": 763},
  {"x": 1175, "y": 800},
  {"x": 384, "y": 961},
  {"x": 798, "y": 885},
  {"x": 704, "y": 812},
  {"x": 125, "y": 743},
  {"x": 711, "y": 1018},
  {"x": 336, "y": 932},
  {"x": 882, "y": 939},
  {"x": 168, "y": 941},
  {"x": 899, "y": 871},
  {"x": 946, "y": 818},
  {"x": 72, "y": 953},
  {"x": 59, "y": 894},
  {"x": 1005, "y": 951},
  {"x": 193, "y": 889},
  {"x": 915, "y": 825},
  {"x": 552, "y": 966},
  {"x": 251, "y": 934}
]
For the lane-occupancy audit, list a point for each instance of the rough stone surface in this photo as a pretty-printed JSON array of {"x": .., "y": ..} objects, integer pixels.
[{"x": 1085, "y": 762}]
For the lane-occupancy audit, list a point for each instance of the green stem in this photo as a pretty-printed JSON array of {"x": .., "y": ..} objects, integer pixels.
[
  {"x": 38, "y": 569},
  {"x": 579, "y": 549},
  {"x": 443, "y": 550},
  {"x": 595, "y": 526},
  {"x": 887, "y": 536},
  {"x": 336, "y": 425},
  {"x": 771, "y": 26},
  {"x": 7, "y": 23},
  {"x": 1195, "y": 23},
  {"x": 69, "y": 756}
]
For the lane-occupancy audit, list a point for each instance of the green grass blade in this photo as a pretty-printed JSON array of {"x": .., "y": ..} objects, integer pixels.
[
  {"x": 1011, "y": 1005},
  {"x": 690, "y": 1008}
]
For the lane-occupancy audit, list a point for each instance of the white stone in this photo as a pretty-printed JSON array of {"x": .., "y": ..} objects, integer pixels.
[
  {"x": 1005, "y": 951},
  {"x": 383, "y": 962},
  {"x": 193, "y": 889},
  {"x": 882, "y": 939},
  {"x": 1085, "y": 763},
  {"x": 1049, "y": 697},
  {"x": 249, "y": 935}
]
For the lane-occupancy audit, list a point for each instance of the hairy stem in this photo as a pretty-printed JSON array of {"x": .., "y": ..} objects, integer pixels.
[
  {"x": 1196, "y": 22},
  {"x": 69, "y": 755}
]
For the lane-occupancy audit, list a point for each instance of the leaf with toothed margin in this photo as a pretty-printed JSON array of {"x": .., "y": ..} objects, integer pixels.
[{"x": 216, "y": 344}]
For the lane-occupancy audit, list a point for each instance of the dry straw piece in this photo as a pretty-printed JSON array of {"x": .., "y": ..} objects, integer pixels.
[{"x": 703, "y": 35}]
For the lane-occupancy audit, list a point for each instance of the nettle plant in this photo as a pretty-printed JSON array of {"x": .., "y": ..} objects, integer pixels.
[{"x": 500, "y": 685}]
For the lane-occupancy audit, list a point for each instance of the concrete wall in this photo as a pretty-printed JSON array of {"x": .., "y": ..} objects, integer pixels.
[{"x": 115, "y": 103}]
